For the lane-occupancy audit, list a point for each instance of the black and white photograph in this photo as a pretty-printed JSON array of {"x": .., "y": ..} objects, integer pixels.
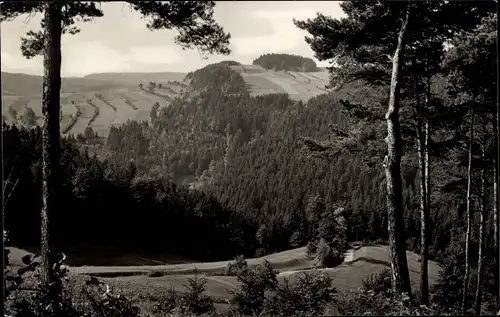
[{"x": 249, "y": 158}]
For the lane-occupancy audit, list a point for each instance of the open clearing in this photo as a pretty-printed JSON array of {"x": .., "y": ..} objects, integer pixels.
[{"x": 147, "y": 283}]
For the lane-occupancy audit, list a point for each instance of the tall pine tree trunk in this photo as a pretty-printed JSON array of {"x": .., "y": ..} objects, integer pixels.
[
  {"x": 424, "y": 260},
  {"x": 2, "y": 210},
  {"x": 469, "y": 215},
  {"x": 51, "y": 146},
  {"x": 423, "y": 211},
  {"x": 480, "y": 239},
  {"x": 397, "y": 241},
  {"x": 496, "y": 218}
]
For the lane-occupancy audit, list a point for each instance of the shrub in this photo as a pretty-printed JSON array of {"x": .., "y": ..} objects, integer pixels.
[
  {"x": 28, "y": 296},
  {"x": 311, "y": 248},
  {"x": 329, "y": 254},
  {"x": 104, "y": 303},
  {"x": 297, "y": 239},
  {"x": 168, "y": 303},
  {"x": 378, "y": 304},
  {"x": 237, "y": 267},
  {"x": 378, "y": 282},
  {"x": 254, "y": 284},
  {"x": 308, "y": 296},
  {"x": 194, "y": 300},
  {"x": 328, "y": 241}
]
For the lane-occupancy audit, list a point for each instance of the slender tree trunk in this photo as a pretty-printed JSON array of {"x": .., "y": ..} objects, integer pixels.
[
  {"x": 2, "y": 255},
  {"x": 423, "y": 212},
  {"x": 496, "y": 217},
  {"x": 428, "y": 160},
  {"x": 397, "y": 241},
  {"x": 51, "y": 146},
  {"x": 421, "y": 144},
  {"x": 480, "y": 242},
  {"x": 469, "y": 216},
  {"x": 424, "y": 261}
]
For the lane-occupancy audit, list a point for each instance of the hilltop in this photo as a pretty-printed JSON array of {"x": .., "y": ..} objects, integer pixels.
[{"x": 103, "y": 100}]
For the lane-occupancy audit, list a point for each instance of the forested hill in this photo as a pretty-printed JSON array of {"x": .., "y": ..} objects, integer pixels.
[
  {"x": 247, "y": 151},
  {"x": 218, "y": 76},
  {"x": 255, "y": 183},
  {"x": 286, "y": 62}
]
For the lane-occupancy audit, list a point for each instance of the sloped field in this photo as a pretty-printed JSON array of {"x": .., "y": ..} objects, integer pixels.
[
  {"x": 128, "y": 102},
  {"x": 146, "y": 282},
  {"x": 299, "y": 85},
  {"x": 123, "y": 111},
  {"x": 103, "y": 121},
  {"x": 136, "y": 78},
  {"x": 359, "y": 264},
  {"x": 259, "y": 85}
]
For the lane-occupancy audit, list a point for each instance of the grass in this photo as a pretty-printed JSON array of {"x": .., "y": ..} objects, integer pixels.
[{"x": 146, "y": 287}]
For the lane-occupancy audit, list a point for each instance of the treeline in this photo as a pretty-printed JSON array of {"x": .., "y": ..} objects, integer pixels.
[
  {"x": 106, "y": 204},
  {"x": 247, "y": 151},
  {"x": 288, "y": 62},
  {"x": 217, "y": 76}
]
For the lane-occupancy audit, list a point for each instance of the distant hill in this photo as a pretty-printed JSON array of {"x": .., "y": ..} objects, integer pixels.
[
  {"x": 136, "y": 78},
  {"x": 287, "y": 62},
  {"x": 103, "y": 100},
  {"x": 215, "y": 76},
  {"x": 31, "y": 85}
]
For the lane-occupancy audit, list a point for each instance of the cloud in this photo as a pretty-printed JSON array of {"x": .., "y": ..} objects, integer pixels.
[
  {"x": 96, "y": 57},
  {"x": 18, "y": 63},
  {"x": 285, "y": 36},
  {"x": 120, "y": 42},
  {"x": 163, "y": 55},
  {"x": 92, "y": 57}
]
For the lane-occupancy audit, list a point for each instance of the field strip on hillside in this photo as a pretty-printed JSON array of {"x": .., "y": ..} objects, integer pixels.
[
  {"x": 162, "y": 98},
  {"x": 165, "y": 97},
  {"x": 80, "y": 124},
  {"x": 74, "y": 118},
  {"x": 96, "y": 111},
  {"x": 285, "y": 82},
  {"x": 127, "y": 100},
  {"x": 262, "y": 85},
  {"x": 253, "y": 69},
  {"x": 103, "y": 122},
  {"x": 124, "y": 112},
  {"x": 314, "y": 79},
  {"x": 105, "y": 101},
  {"x": 66, "y": 106},
  {"x": 86, "y": 112},
  {"x": 166, "y": 89},
  {"x": 288, "y": 73},
  {"x": 301, "y": 77},
  {"x": 323, "y": 76},
  {"x": 146, "y": 101}
]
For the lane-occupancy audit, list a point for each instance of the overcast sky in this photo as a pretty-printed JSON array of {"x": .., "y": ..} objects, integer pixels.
[{"x": 120, "y": 42}]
